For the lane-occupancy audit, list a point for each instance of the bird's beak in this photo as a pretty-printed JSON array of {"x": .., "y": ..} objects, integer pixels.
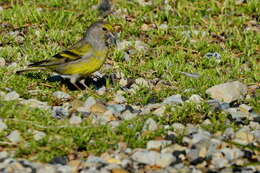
[{"x": 113, "y": 38}]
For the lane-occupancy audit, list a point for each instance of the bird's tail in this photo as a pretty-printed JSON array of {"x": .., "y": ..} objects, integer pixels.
[{"x": 29, "y": 69}]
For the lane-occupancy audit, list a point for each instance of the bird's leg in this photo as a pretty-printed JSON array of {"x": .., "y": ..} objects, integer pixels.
[
  {"x": 82, "y": 82},
  {"x": 73, "y": 81}
]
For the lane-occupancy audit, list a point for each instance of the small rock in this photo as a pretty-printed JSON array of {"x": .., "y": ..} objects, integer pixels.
[
  {"x": 245, "y": 108},
  {"x": 178, "y": 128},
  {"x": 75, "y": 120},
  {"x": 64, "y": 169},
  {"x": 101, "y": 91},
  {"x": 89, "y": 102},
  {"x": 243, "y": 137},
  {"x": 11, "y": 96},
  {"x": 61, "y": 95},
  {"x": 175, "y": 99},
  {"x": 195, "y": 98},
  {"x": 160, "y": 111},
  {"x": 229, "y": 133},
  {"x": 61, "y": 160},
  {"x": 38, "y": 135},
  {"x": 163, "y": 26},
  {"x": 127, "y": 115},
  {"x": 165, "y": 160},
  {"x": 227, "y": 92},
  {"x": 123, "y": 45},
  {"x": 33, "y": 103},
  {"x": 116, "y": 108},
  {"x": 60, "y": 112},
  {"x": 142, "y": 82},
  {"x": 98, "y": 108},
  {"x": 157, "y": 144},
  {"x": 2, "y": 61},
  {"x": 14, "y": 136},
  {"x": 118, "y": 170},
  {"x": 119, "y": 98},
  {"x": 146, "y": 157},
  {"x": 219, "y": 161},
  {"x": 3, "y": 126},
  {"x": 214, "y": 55},
  {"x": 192, "y": 154},
  {"x": 232, "y": 154},
  {"x": 192, "y": 75},
  {"x": 150, "y": 125},
  {"x": 140, "y": 46}
]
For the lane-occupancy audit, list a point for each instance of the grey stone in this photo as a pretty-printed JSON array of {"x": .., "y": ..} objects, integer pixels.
[
  {"x": 229, "y": 133},
  {"x": 33, "y": 103},
  {"x": 165, "y": 160},
  {"x": 3, "y": 126},
  {"x": 178, "y": 128},
  {"x": 60, "y": 112},
  {"x": 175, "y": 99},
  {"x": 64, "y": 169},
  {"x": 193, "y": 154},
  {"x": 232, "y": 154},
  {"x": 38, "y": 135},
  {"x": 219, "y": 161},
  {"x": 2, "y": 61},
  {"x": 127, "y": 115},
  {"x": 157, "y": 144},
  {"x": 61, "y": 95},
  {"x": 146, "y": 157},
  {"x": 195, "y": 98},
  {"x": 116, "y": 108},
  {"x": 101, "y": 91},
  {"x": 11, "y": 96},
  {"x": 14, "y": 136},
  {"x": 119, "y": 98},
  {"x": 150, "y": 125},
  {"x": 214, "y": 55},
  {"x": 228, "y": 92},
  {"x": 75, "y": 120}
]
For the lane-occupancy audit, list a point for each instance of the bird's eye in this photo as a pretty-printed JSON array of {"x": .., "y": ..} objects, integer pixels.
[{"x": 104, "y": 29}]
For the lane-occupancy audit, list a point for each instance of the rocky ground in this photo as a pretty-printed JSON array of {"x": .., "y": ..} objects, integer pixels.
[{"x": 200, "y": 150}]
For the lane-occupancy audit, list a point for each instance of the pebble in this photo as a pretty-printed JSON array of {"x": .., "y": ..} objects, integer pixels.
[
  {"x": 61, "y": 95},
  {"x": 214, "y": 55},
  {"x": 163, "y": 26},
  {"x": 245, "y": 108},
  {"x": 157, "y": 144},
  {"x": 3, "y": 126},
  {"x": 123, "y": 45},
  {"x": 38, "y": 135},
  {"x": 174, "y": 99},
  {"x": 127, "y": 115},
  {"x": 178, "y": 128},
  {"x": 15, "y": 136},
  {"x": 160, "y": 111},
  {"x": 98, "y": 108},
  {"x": 146, "y": 157},
  {"x": 119, "y": 98},
  {"x": 101, "y": 91},
  {"x": 2, "y": 61},
  {"x": 60, "y": 112},
  {"x": 243, "y": 137},
  {"x": 139, "y": 45},
  {"x": 142, "y": 82},
  {"x": 195, "y": 98},
  {"x": 75, "y": 120},
  {"x": 33, "y": 103},
  {"x": 150, "y": 125},
  {"x": 11, "y": 96},
  {"x": 228, "y": 92},
  {"x": 116, "y": 108}
]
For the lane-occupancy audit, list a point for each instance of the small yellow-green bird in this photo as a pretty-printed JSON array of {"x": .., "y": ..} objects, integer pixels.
[{"x": 83, "y": 58}]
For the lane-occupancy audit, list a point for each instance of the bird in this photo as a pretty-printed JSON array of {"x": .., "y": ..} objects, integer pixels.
[{"x": 83, "y": 58}]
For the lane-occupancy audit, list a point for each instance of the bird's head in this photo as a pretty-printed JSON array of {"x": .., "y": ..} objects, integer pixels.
[{"x": 102, "y": 31}]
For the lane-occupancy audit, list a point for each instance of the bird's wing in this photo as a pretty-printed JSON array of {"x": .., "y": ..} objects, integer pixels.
[{"x": 80, "y": 50}]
